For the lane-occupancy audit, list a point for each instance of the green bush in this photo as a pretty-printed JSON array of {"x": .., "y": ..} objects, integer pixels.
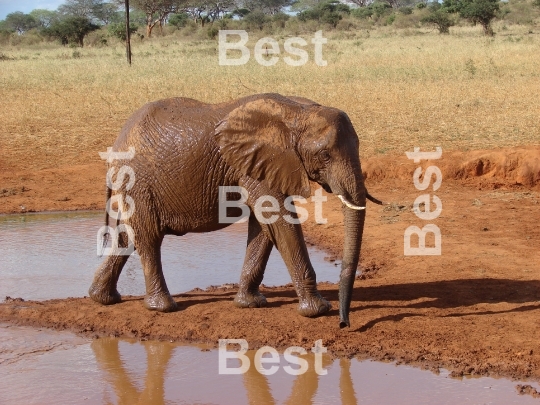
[
  {"x": 406, "y": 10},
  {"x": 329, "y": 12},
  {"x": 376, "y": 10},
  {"x": 212, "y": 32},
  {"x": 19, "y": 22},
  {"x": 118, "y": 30},
  {"x": 256, "y": 19},
  {"x": 420, "y": 5},
  {"x": 280, "y": 19},
  {"x": 439, "y": 18},
  {"x": 536, "y": 3},
  {"x": 480, "y": 12},
  {"x": 178, "y": 20},
  {"x": 71, "y": 30}
]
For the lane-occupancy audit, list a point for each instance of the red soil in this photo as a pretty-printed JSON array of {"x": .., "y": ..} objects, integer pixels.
[{"x": 475, "y": 309}]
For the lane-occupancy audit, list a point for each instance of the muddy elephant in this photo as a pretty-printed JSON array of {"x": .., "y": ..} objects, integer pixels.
[{"x": 268, "y": 144}]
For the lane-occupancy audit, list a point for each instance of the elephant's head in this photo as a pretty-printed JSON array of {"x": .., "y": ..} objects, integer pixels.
[{"x": 285, "y": 142}]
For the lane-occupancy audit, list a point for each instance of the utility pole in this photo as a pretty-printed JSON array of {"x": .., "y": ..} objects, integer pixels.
[{"x": 128, "y": 34}]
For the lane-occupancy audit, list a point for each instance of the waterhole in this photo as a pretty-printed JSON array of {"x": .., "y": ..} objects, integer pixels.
[{"x": 46, "y": 256}]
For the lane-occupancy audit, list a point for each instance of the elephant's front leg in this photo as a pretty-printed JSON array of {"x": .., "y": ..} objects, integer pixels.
[
  {"x": 289, "y": 240},
  {"x": 257, "y": 253},
  {"x": 283, "y": 231}
]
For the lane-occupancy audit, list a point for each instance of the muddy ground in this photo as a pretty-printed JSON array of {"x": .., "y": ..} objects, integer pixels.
[{"x": 474, "y": 310}]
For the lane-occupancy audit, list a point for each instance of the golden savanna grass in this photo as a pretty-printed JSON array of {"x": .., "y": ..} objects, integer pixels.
[{"x": 400, "y": 88}]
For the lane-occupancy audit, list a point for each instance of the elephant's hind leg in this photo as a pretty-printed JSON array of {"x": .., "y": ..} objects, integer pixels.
[
  {"x": 157, "y": 296},
  {"x": 257, "y": 253},
  {"x": 103, "y": 288}
]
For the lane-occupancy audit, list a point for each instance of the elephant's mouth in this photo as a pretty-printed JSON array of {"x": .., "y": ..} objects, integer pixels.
[{"x": 326, "y": 188}]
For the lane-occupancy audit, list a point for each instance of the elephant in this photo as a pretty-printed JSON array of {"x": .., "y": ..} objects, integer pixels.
[{"x": 269, "y": 144}]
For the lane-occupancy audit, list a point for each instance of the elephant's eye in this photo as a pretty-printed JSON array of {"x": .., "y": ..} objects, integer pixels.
[{"x": 324, "y": 156}]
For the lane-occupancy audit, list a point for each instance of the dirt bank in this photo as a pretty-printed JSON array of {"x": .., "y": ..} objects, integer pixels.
[{"x": 475, "y": 309}]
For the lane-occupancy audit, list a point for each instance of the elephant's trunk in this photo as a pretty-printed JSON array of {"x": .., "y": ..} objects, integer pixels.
[{"x": 354, "y": 226}]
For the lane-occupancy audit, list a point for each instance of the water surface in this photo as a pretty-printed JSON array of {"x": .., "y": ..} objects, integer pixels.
[
  {"x": 47, "y": 367},
  {"x": 46, "y": 256}
]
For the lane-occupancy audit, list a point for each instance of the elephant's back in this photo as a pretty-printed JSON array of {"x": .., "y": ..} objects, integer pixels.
[{"x": 168, "y": 123}]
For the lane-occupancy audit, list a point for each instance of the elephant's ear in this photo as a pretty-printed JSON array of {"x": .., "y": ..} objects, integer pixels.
[{"x": 257, "y": 140}]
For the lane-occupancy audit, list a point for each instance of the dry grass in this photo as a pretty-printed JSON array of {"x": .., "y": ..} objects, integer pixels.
[{"x": 400, "y": 88}]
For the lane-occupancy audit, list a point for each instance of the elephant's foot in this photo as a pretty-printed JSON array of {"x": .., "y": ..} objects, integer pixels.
[
  {"x": 162, "y": 302},
  {"x": 246, "y": 299},
  {"x": 103, "y": 295},
  {"x": 313, "y": 306}
]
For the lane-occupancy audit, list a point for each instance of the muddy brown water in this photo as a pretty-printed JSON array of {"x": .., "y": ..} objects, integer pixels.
[
  {"x": 45, "y": 256},
  {"x": 54, "y": 255}
]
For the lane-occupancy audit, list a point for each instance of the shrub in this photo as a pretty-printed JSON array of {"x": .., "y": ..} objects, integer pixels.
[
  {"x": 71, "y": 30},
  {"x": 376, "y": 10},
  {"x": 390, "y": 19},
  {"x": 480, "y": 12},
  {"x": 280, "y": 19},
  {"x": 406, "y": 10},
  {"x": 212, "y": 32},
  {"x": 19, "y": 22},
  {"x": 178, "y": 20},
  {"x": 256, "y": 19},
  {"x": 118, "y": 30},
  {"x": 407, "y": 21},
  {"x": 439, "y": 18},
  {"x": 420, "y": 5},
  {"x": 329, "y": 12}
]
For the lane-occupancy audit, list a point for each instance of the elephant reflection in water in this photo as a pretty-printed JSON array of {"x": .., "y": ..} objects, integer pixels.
[
  {"x": 257, "y": 387},
  {"x": 305, "y": 385},
  {"x": 157, "y": 357}
]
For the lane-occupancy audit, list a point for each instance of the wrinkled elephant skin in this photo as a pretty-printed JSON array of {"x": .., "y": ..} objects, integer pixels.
[{"x": 268, "y": 144}]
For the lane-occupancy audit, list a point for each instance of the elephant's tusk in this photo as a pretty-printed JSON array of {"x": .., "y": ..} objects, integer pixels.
[{"x": 348, "y": 204}]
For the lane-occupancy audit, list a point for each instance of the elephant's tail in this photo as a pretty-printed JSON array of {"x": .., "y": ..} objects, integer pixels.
[
  {"x": 106, "y": 235},
  {"x": 374, "y": 200}
]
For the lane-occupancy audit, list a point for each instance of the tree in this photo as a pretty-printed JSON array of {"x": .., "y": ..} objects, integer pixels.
[
  {"x": 360, "y": 3},
  {"x": 256, "y": 19},
  {"x": 71, "y": 30},
  {"x": 157, "y": 11},
  {"x": 178, "y": 20},
  {"x": 376, "y": 9},
  {"x": 266, "y": 6},
  {"x": 440, "y": 18},
  {"x": 106, "y": 13},
  {"x": 118, "y": 30},
  {"x": 476, "y": 11},
  {"x": 79, "y": 8},
  {"x": 209, "y": 10},
  {"x": 19, "y": 22},
  {"x": 480, "y": 12},
  {"x": 44, "y": 18},
  {"x": 329, "y": 12}
]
